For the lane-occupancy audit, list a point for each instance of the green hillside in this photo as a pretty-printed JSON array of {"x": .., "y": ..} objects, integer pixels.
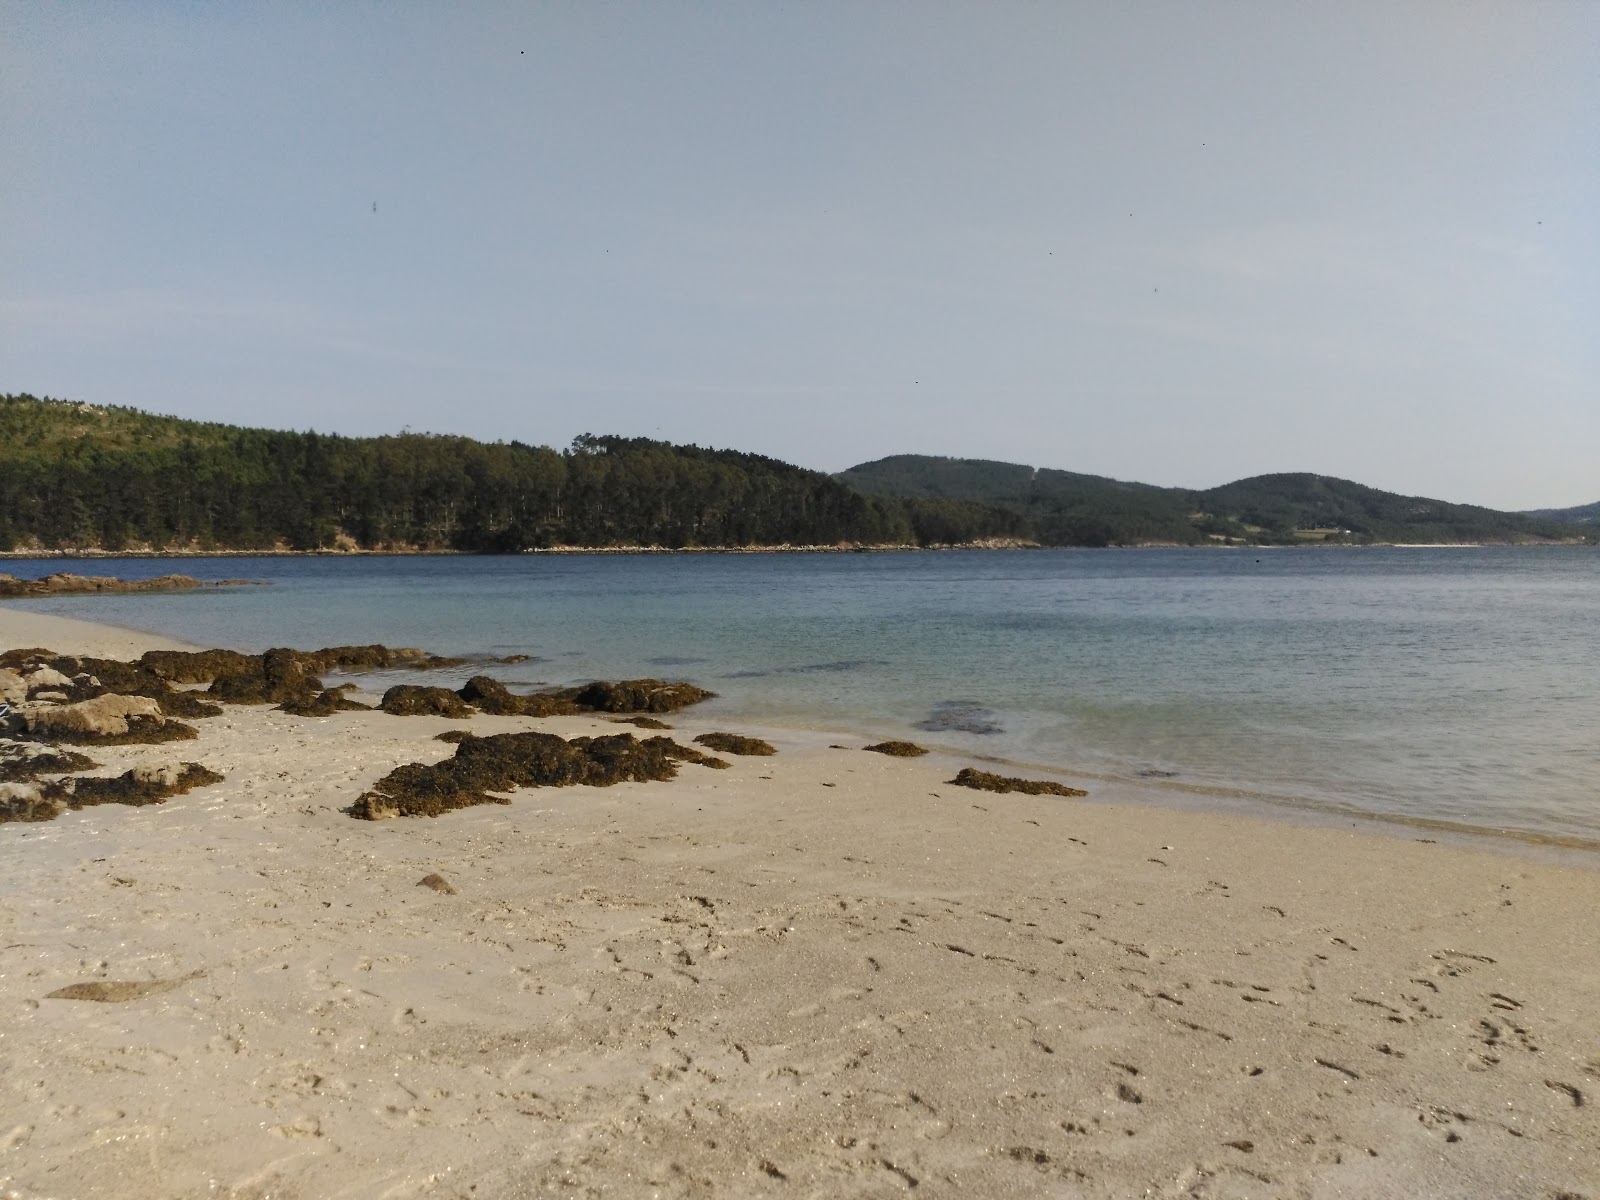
[
  {"x": 1584, "y": 514},
  {"x": 86, "y": 476},
  {"x": 1064, "y": 508}
]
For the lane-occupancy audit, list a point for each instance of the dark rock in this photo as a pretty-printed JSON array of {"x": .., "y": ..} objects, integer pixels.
[
  {"x": 453, "y": 735},
  {"x": 985, "y": 782},
  {"x": 897, "y": 749},
  {"x": 408, "y": 700},
  {"x": 438, "y": 883},
  {"x": 733, "y": 743},
  {"x": 506, "y": 761}
]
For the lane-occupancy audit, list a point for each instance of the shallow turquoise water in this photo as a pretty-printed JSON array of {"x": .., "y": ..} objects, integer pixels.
[{"x": 1459, "y": 684}]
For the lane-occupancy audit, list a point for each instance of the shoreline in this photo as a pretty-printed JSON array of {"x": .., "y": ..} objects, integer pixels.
[
  {"x": 46, "y": 555},
  {"x": 824, "y": 972}
]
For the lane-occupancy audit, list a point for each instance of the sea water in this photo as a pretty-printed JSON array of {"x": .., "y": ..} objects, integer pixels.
[{"x": 1454, "y": 685}]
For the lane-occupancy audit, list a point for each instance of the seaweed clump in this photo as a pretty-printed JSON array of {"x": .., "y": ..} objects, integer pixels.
[
  {"x": 505, "y": 761},
  {"x": 898, "y": 749},
  {"x": 643, "y": 722},
  {"x": 985, "y": 782},
  {"x": 733, "y": 743}
]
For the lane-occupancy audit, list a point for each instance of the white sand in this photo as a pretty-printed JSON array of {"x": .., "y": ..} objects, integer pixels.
[{"x": 821, "y": 974}]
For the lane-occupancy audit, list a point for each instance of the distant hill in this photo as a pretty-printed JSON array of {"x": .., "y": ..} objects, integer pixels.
[
  {"x": 1064, "y": 508},
  {"x": 84, "y": 476},
  {"x": 1584, "y": 514}
]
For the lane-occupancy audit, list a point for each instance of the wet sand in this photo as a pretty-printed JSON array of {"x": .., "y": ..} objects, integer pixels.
[{"x": 824, "y": 973}]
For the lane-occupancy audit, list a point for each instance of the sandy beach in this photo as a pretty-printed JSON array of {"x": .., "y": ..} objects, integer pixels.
[{"x": 824, "y": 973}]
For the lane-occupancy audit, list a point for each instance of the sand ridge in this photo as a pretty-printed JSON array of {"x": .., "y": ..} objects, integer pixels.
[{"x": 821, "y": 973}]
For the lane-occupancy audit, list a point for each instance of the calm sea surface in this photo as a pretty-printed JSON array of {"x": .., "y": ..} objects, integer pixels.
[{"x": 1455, "y": 685}]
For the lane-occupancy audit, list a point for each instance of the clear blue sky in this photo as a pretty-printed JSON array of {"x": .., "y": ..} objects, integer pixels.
[{"x": 1175, "y": 242}]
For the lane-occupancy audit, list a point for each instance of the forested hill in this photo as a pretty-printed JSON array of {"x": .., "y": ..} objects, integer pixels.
[
  {"x": 79, "y": 476},
  {"x": 1584, "y": 514},
  {"x": 1063, "y": 508}
]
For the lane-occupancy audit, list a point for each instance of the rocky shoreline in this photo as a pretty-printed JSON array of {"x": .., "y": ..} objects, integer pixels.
[{"x": 68, "y": 584}]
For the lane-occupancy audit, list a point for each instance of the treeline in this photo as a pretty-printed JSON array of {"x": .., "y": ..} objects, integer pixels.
[
  {"x": 83, "y": 476},
  {"x": 1064, "y": 508}
]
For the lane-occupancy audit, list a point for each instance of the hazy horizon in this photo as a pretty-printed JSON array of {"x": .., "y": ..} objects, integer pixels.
[{"x": 1178, "y": 245}]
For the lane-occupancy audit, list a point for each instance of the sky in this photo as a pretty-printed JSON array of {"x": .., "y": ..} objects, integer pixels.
[{"x": 1174, "y": 242}]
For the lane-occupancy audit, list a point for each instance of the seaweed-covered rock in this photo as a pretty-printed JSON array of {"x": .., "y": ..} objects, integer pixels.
[
  {"x": 14, "y": 660},
  {"x": 733, "y": 743},
  {"x": 506, "y": 761},
  {"x": 635, "y": 696},
  {"x": 280, "y": 676},
  {"x": 983, "y": 781},
  {"x": 138, "y": 787},
  {"x": 196, "y": 666},
  {"x": 897, "y": 749},
  {"x": 321, "y": 704},
  {"x": 66, "y": 584},
  {"x": 409, "y": 700},
  {"x": 642, "y": 722},
  {"x": 25, "y": 802},
  {"x": 453, "y": 735},
  {"x": 493, "y": 697},
  {"x": 29, "y": 760},
  {"x": 104, "y": 716}
]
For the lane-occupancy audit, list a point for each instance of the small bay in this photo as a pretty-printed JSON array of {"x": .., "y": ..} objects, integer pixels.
[{"x": 1454, "y": 685}]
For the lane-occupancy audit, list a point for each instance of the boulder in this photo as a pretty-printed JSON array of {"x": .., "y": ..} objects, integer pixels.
[{"x": 104, "y": 716}]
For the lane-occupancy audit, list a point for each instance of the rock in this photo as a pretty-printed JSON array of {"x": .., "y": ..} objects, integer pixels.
[
  {"x": 897, "y": 749},
  {"x": 104, "y": 716},
  {"x": 43, "y": 678},
  {"x": 733, "y": 743},
  {"x": 985, "y": 782},
  {"x": 506, "y": 761},
  {"x": 12, "y": 689},
  {"x": 438, "y": 883},
  {"x": 408, "y": 700},
  {"x": 643, "y": 722}
]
